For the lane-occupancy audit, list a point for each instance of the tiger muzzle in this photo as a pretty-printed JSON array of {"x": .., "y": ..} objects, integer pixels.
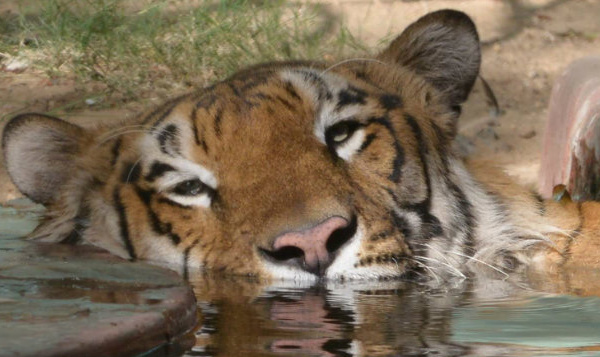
[{"x": 315, "y": 248}]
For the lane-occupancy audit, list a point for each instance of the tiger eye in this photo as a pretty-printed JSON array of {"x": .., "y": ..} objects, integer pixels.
[
  {"x": 189, "y": 188},
  {"x": 340, "y": 132}
]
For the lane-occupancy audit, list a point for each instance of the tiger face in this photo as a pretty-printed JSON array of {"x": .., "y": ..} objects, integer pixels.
[{"x": 292, "y": 170}]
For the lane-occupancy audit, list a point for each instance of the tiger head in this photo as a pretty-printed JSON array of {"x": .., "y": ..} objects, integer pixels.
[{"x": 294, "y": 170}]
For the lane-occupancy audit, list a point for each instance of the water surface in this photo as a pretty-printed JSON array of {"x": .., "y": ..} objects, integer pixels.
[
  {"x": 500, "y": 318},
  {"x": 533, "y": 316}
]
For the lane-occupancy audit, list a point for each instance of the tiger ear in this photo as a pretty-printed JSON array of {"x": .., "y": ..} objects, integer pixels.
[
  {"x": 40, "y": 153},
  {"x": 443, "y": 47}
]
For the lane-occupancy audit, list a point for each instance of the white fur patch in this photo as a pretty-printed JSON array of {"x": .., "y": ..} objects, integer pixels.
[
  {"x": 184, "y": 170},
  {"x": 160, "y": 250},
  {"x": 327, "y": 113},
  {"x": 201, "y": 200},
  {"x": 352, "y": 145},
  {"x": 343, "y": 267},
  {"x": 288, "y": 273},
  {"x": 494, "y": 231}
]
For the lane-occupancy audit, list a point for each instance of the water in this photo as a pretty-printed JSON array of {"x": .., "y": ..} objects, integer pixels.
[
  {"x": 242, "y": 318},
  {"x": 523, "y": 316}
]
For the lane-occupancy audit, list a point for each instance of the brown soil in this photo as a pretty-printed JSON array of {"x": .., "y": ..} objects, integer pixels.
[{"x": 526, "y": 46}]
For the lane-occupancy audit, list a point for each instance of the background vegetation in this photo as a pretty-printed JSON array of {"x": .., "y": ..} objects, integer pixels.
[{"x": 135, "y": 48}]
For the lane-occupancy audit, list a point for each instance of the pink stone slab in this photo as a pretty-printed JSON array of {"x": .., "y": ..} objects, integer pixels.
[
  {"x": 571, "y": 149},
  {"x": 60, "y": 300}
]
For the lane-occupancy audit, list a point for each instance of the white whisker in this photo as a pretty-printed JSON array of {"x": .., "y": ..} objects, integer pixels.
[
  {"x": 482, "y": 262},
  {"x": 119, "y": 134},
  {"x": 437, "y": 278},
  {"x": 352, "y": 60},
  {"x": 124, "y": 127},
  {"x": 452, "y": 269},
  {"x": 121, "y": 131},
  {"x": 429, "y": 246}
]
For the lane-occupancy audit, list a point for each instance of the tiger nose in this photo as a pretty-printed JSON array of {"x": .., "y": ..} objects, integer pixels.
[{"x": 313, "y": 249}]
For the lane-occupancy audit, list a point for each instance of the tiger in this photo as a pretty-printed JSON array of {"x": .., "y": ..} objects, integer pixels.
[{"x": 304, "y": 171}]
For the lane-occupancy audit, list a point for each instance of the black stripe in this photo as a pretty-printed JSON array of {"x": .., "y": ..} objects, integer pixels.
[
  {"x": 131, "y": 172},
  {"x": 367, "y": 142},
  {"x": 74, "y": 237},
  {"x": 390, "y": 101},
  {"x": 234, "y": 89},
  {"x": 164, "y": 115},
  {"x": 204, "y": 146},
  {"x": 254, "y": 100},
  {"x": 440, "y": 143},
  {"x": 123, "y": 225},
  {"x": 422, "y": 151},
  {"x": 540, "y": 203},
  {"x": 195, "y": 127},
  {"x": 253, "y": 82},
  {"x": 159, "y": 227},
  {"x": 115, "y": 151},
  {"x": 261, "y": 96},
  {"x": 153, "y": 114},
  {"x": 82, "y": 222},
  {"x": 402, "y": 225},
  {"x": 168, "y": 136},
  {"x": 339, "y": 346},
  {"x": 431, "y": 225},
  {"x": 362, "y": 73},
  {"x": 157, "y": 170},
  {"x": 167, "y": 109},
  {"x": 313, "y": 78},
  {"x": 206, "y": 101},
  {"x": 399, "y": 157},
  {"x": 289, "y": 88},
  {"x": 467, "y": 220},
  {"x": 217, "y": 121},
  {"x": 380, "y": 235},
  {"x": 350, "y": 96},
  {"x": 186, "y": 259},
  {"x": 286, "y": 103}
]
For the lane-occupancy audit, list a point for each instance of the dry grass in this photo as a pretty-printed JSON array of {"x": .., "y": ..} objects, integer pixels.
[{"x": 164, "y": 46}]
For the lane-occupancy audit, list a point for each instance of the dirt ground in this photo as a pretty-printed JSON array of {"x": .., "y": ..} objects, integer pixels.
[{"x": 526, "y": 46}]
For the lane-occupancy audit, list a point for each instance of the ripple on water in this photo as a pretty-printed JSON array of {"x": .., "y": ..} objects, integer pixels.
[{"x": 394, "y": 319}]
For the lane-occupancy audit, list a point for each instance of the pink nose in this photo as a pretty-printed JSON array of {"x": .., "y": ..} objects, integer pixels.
[{"x": 313, "y": 248}]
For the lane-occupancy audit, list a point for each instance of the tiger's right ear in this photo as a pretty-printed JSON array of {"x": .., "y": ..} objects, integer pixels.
[
  {"x": 40, "y": 153},
  {"x": 443, "y": 47}
]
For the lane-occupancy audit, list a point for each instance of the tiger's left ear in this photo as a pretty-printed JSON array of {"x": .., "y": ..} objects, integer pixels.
[
  {"x": 443, "y": 47},
  {"x": 40, "y": 154}
]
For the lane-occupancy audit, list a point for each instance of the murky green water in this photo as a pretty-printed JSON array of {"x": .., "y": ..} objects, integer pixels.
[{"x": 461, "y": 318}]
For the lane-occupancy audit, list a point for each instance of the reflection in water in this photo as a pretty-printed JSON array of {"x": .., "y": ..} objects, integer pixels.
[
  {"x": 318, "y": 327},
  {"x": 243, "y": 318}
]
